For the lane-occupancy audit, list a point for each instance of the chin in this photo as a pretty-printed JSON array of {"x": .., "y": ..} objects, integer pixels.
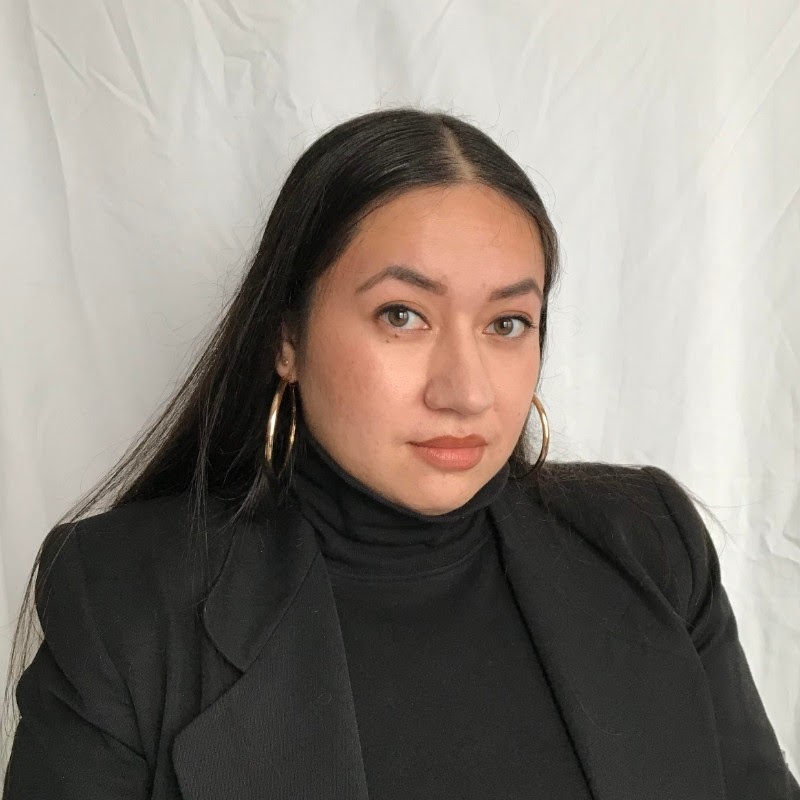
[{"x": 443, "y": 503}]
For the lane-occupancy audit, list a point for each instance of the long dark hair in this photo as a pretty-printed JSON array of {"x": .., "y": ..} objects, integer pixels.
[{"x": 209, "y": 438}]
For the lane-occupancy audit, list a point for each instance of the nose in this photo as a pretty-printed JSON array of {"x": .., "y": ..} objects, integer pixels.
[{"x": 457, "y": 378}]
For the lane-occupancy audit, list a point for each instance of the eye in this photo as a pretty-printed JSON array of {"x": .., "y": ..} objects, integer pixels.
[
  {"x": 397, "y": 315},
  {"x": 507, "y": 331}
]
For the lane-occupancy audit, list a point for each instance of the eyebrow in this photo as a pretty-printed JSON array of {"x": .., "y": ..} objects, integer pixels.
[{"x": 403, "y": 272}]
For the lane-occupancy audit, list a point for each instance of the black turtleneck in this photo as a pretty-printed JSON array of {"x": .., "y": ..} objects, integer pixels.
[{"x": 450, "y": 698}]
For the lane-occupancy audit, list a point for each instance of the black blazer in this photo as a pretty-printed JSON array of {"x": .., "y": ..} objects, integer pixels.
[{"x": 149, "y": 686}]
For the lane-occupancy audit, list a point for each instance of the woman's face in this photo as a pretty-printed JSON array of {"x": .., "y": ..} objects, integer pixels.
[{"x": 418, "y": 331}]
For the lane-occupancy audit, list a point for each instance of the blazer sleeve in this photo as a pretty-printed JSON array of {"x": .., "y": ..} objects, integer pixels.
[
  {"x": 753, "y": 763},
  {"x": 77, "y": 737}
]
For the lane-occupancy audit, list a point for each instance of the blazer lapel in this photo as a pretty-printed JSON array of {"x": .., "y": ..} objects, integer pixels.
[
  {"x": 622, "y": 669},
  {"x": 287, "y": 726}
]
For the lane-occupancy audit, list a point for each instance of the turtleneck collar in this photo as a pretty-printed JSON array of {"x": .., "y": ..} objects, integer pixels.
[{"x": 361, "y": 532}]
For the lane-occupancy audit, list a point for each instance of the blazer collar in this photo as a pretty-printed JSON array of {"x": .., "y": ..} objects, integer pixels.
[
  {"x": 623, "y": 672},
  {"x": 260, "y": 576},
  {"x": 287, "y": 726}
]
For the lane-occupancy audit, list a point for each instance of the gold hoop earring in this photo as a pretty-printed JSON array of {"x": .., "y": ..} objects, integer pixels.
[
  {"x": 272, "y": 422},
  {"x": 545, "y": 431}
]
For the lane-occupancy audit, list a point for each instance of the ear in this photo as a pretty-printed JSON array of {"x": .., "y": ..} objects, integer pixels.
[{"x": 285, "y": 361}]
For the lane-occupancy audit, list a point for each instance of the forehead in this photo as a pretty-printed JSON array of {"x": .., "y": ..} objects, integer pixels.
[{"x": 452, "y": 233}]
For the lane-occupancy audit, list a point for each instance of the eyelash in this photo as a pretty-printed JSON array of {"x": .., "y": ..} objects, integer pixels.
[{"x": 397, "y": 306}]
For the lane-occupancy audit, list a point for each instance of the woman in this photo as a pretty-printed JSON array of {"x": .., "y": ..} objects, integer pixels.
[{"x": 332, "y": 569}]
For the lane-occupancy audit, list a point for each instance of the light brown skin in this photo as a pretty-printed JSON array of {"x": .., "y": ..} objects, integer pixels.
[{"x": 372, "y": 383}]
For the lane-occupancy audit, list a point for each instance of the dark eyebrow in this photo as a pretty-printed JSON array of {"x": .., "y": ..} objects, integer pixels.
[
  {"x": 407, "y": 274},
  {"x": 525, "y": 286}
]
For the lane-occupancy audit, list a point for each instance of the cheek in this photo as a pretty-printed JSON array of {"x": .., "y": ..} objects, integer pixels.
[
  {"x": 361, "y": 380},
  {"x": 514, "y": 389}
]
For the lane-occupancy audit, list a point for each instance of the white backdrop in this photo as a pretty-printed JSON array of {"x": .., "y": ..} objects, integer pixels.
[{"x": 143, "y": 144}]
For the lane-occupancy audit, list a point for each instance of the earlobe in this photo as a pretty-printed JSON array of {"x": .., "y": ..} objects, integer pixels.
[
  {"x": 284, "y": 360},
  {"x": 283, "y": 366}
]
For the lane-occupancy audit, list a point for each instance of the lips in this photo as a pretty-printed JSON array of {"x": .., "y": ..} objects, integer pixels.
[{"x": 454, "y": 442}]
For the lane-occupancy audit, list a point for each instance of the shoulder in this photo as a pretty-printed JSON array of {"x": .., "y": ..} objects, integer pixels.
[
  {"x": 638, "y": 514},
  {"x": 129, "y": 577},
  {"x": 134, "y": 546}
]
